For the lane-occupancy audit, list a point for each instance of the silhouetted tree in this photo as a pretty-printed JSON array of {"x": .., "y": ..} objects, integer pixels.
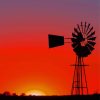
[
  {"x": 6, "y": 93},
  {"x": 0, "y": 94},
  {"x": 23, "y": 94},
  {"x": 14, "y": 94}
]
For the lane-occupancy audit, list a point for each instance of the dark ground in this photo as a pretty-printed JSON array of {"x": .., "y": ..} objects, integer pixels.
[{"x": 85, "y": 97}]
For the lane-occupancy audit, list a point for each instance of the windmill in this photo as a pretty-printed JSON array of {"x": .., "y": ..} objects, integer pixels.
[{"x": 83, "y": 41}]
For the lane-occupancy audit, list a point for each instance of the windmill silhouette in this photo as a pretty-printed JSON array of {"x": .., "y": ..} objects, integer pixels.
[{"x": 83, "y": 41}]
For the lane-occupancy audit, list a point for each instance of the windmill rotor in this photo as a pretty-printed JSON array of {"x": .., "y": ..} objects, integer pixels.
[{"x": 83, "y": 40}]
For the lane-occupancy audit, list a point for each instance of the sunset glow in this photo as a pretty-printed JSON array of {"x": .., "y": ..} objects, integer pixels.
[
  {"x": 35, "y": 93},
  {"x": 27, "y": 64}
]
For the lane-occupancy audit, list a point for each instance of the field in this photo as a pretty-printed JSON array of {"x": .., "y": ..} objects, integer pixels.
[{"x": 85, "y": 97}]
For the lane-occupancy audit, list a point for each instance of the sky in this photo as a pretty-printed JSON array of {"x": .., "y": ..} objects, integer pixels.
[{"x": 27, "y": 63}]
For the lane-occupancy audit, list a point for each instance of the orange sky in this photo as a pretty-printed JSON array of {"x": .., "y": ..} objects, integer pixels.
[{"x": 26, "y": 62}]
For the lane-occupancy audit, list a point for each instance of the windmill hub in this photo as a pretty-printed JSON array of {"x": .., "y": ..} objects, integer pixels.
[{"x": 84, "y": 42}]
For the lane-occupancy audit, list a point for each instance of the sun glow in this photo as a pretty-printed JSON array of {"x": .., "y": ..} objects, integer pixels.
[{"x": 35, "y": 93}]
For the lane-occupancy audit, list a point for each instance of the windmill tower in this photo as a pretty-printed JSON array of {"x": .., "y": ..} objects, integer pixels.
[{"x": 83, "y": 41}]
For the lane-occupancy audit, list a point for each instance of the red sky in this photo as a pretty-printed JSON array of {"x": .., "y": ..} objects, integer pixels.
[{"x": 26, "y": 62}]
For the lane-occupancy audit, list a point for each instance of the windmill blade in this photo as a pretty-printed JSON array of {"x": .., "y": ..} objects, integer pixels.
[
  {"x": 74, "y": 40},
  {"x": 87, "y": 27},
  {"x": 93, "y": 38},
  {"x": 91, "y": 34},
  {"x": 74, "y": 45},
  {"x": 86, "y": 51},
  {"x": 82, "y": 26},
  {"x": 55, "y": 40},
  {"x": 90, "y": 47},
  {"x": 91, "y": 43},
  {"x": 82, "y": 51},
  {"x": 77, "y": 50},
  {"x": 78, "y": 28},
  {"x": 90, "y": 30},
  {"x": 79, "y": 38},
  {"x": 85, "y": 24},
  {"x": 78, "y": 33},
  {"x": 74, "y": 35}
]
